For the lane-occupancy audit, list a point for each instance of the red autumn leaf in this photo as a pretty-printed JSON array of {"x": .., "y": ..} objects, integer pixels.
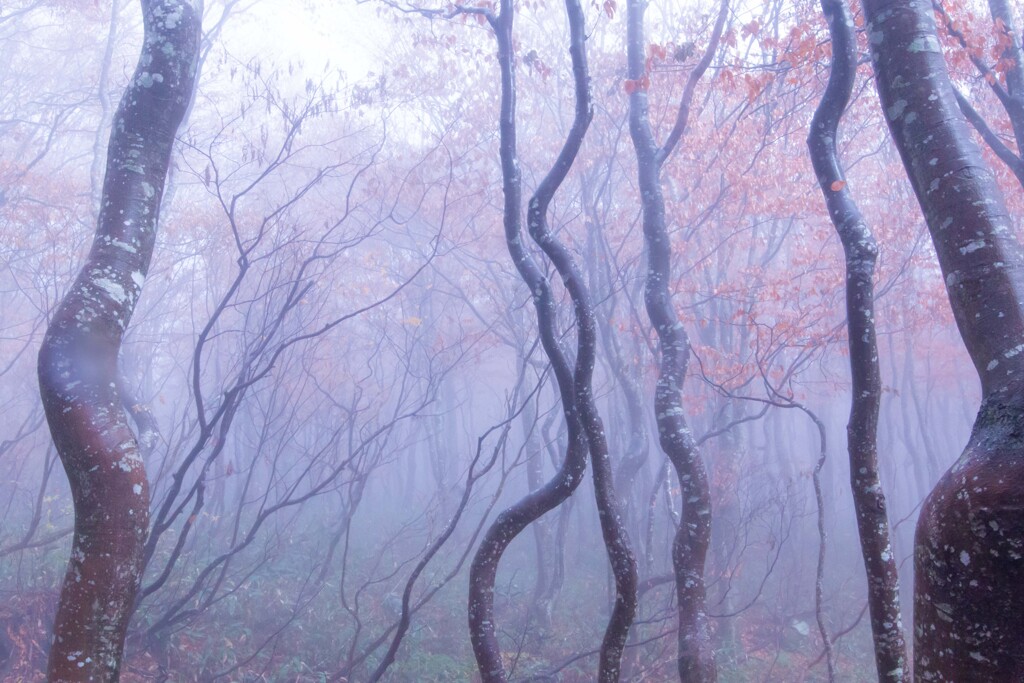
[{"x": 633, "y": 85}]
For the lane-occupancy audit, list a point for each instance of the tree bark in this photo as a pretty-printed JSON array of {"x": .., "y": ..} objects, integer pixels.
[
  {"x": 78, "y": 375},
  {"x": 510, "y": 522},
  {"x": 616, "y": 539},
  {"x": 689, "y": 550},
  {"x": 861, "y": 253},
  {"x": 969, "y": 548}
]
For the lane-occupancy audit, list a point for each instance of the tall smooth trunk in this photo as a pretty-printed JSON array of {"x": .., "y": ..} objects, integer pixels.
[
  {"x": 969, "y": 547},
  {"x": 78, "y": 374}
]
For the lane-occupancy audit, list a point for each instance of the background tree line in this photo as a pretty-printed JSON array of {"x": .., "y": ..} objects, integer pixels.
[{"x": 423, "y": 320}]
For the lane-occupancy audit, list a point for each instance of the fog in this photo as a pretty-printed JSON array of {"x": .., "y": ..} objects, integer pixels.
[{"x": 407, "y": 399}]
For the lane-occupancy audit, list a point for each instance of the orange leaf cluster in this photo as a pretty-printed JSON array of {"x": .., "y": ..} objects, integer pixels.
[{"x": 634, "y": 85}]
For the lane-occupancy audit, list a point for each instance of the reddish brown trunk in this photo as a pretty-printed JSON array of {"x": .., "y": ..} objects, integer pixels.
[
  {"x": 969, "y": 556},
  {"x": 78, "y": 360}
]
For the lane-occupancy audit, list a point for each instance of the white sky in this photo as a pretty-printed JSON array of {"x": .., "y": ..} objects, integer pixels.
[{"x": 351, "y": 35}]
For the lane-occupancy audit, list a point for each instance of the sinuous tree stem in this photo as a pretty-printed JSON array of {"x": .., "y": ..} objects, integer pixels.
[
  {"x": 586, "y": 429},
  {"x": 689, "y": 550},
  {"x": 514, "y": 519},
  {"x": 78, "y": 376},
  {"x": 861, "y": 252},
  {"x": 616, "y": 538}
]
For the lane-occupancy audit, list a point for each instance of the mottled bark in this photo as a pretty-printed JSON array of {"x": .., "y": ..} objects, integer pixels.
[
  {"x": 146, "y": 427},
  {"x": 969, "y": 548},
  {"x": 616, "y": 539},
  {"x": 78, "y": 374},
  {"x": 513, "y": 520},
  {"x": 861, "y": 252},
  {"x": 689, "y": 550}
]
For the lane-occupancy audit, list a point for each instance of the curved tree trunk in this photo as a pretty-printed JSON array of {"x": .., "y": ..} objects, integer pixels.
[
  {"x": 616, "y": 539},
  {"x": 513, "y": 520},
  {"x": 689, "y": 550},
  {"x": 969, "y": 554},
  {"x": 862, "y": 430},
  {"x": 78, "y": 375}
]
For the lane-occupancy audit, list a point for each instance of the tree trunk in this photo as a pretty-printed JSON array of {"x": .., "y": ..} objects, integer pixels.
[
  {"x": 866, "y": 384},
  {"x": 689, "y": 550},
  {"x": 969, "y": 549},
  {"x": 78, "y": 374},
  {"x": 513, "y": 520}
]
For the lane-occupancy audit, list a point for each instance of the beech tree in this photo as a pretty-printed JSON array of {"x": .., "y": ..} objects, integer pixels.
[
  {"x": 340, "y": 383},
  {"x": 861, "y": 253},
  {"x": 585, "y": 427},
  {"x": 696, "y": 661},
  {"x": 78, "y": 375},
  {"x": 969, "y": 548}
]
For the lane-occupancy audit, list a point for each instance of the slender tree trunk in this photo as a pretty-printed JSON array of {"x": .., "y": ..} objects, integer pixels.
[
  {"x": 573, "y": 384},
  {"x": 78, "y": 374},
  {"x": 726, "y": 528},
  {"x": 819, "y": 574},
  {"x": 627, "y": 377},
  {"x": 689, "y": 549},
  {"x": 862, "y": 429},
  {"x": 969, "y": 554},
  {"x": 616, "y": 539}
]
